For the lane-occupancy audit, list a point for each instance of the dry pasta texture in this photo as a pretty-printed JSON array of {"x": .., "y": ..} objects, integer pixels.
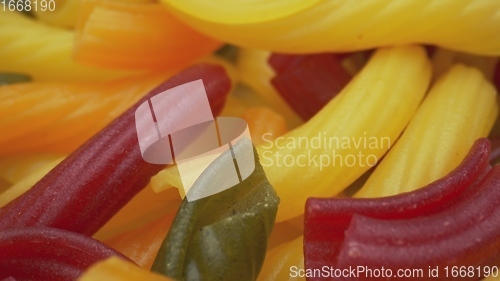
[
  {"x": 460, "y": 108},
  {"x": 61, "y": 116}
]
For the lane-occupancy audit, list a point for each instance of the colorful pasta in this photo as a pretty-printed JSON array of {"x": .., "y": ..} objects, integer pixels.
[
  {"x": 395, "y": 79},
  {"x": 367, "y": 124}
]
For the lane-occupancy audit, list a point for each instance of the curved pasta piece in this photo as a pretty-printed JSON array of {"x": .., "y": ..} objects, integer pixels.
[
  {"x": 377, "y": 104},
  {"x": 113, "y": 34},
  {"x": 44, "y": 52},
  {"x": 460, "y": 108},
  {"x": 241, "y": 12},
  {"x": 44, "y": 253},
  {"x": 345, "y": 25},
  {"x": 327, "y": 219},
  {"x": 466, "y": 234}
]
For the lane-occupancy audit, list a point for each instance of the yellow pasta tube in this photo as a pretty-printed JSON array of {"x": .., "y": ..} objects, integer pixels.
[
  {"x": 460, "y": 108},
  {"x": 344, "y": 25},
  {"x": 241, "y": 12},
  {"x": 44, "y": 52},
  {"x": 350, "y": 134}
]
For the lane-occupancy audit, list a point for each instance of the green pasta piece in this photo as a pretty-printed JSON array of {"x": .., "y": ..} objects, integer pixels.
[
  {"x": 228, "y": 52},
  {"x": 223, "y": 236},
  {"x": 12, "y": 78},
  {"x": 25, "y": 12}
]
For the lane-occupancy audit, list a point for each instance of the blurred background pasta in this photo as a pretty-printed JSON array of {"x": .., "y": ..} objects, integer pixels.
[{"x": 424, "y": 75}]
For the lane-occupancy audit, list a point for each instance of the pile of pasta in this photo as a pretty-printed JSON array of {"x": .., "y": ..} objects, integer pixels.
[{"x": 90, "y": 60}]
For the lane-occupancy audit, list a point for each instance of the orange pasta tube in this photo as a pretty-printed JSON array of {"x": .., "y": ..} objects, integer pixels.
[
  {"x": 58, "y": 117},
  {"x": 111, "y": 34}
]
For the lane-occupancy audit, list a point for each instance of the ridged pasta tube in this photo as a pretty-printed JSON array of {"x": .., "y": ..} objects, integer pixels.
[
  {"x": 58, "y": 117},
  {"x": 343, "y": 25},
  {"x": 375, "y": 106},
  {"x": 460, "y": 108}
]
